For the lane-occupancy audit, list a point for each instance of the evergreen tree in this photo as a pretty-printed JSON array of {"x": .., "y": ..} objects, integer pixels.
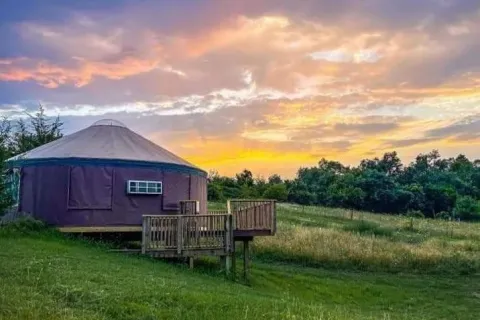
[{"x": 39, "y": 131}]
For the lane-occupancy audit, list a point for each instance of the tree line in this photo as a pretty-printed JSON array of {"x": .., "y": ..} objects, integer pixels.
[{"x": 430, "y": 186}]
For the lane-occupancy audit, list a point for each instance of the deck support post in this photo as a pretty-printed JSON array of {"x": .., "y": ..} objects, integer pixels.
[
  {"x": 234, "y": 261},
  {"x": 228, "y": 265},
  {"x": 190, "y": 262},
  {"x": 246, "y": 260},
  {"x": 222, "y": 261}
]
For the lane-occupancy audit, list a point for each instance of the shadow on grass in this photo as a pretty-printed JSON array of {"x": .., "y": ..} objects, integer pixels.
[{"x": 368, "y": 227}]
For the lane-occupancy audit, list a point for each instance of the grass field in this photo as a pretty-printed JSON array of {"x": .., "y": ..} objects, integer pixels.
[{"x": 321, "y": 265}]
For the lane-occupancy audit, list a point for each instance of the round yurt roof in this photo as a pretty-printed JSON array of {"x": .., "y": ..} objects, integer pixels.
[{"x": 106, "y": 141}]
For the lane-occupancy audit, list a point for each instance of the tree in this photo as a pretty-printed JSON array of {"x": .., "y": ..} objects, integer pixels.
[
  {"x": 430, "y": 185},
  {"x": 276, "y": 192},
  {"x": 274, "y": 179},
  {"x": 299, "y": 194},
  {"x": 259, "y": 188},
  {"x": 38, "y": 132},
  {"x": 345, "y": 193},
  {"x": 438, "y": 198},
  {"x": 214, "y": 192},
  {"x": 245, "y": 178},
  {"x": 467, "y": 208},
  {"x": 6, "y": 199}
]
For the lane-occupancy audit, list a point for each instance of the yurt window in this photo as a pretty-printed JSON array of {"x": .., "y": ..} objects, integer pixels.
[{"x": 144, "y": 187}]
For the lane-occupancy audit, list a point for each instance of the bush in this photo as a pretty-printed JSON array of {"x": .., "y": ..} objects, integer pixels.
[
  {"x": 25, "y": 224},
  {"x": 415, "y": 214},
  {"x": 368, "y": 227},
  {"x": 467, "y": 208},
  {"x": 443, "y": 215},
  {"x": 276, "y": 192}
]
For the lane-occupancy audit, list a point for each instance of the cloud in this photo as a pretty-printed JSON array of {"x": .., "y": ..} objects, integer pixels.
[
  {"x": 52, "y": 76},
  {"x": 466, "y": 129},
  {"x": 276, "y": 83},
  {"x": 407, "y": 142},
  {"x": 365, "y": 128}
]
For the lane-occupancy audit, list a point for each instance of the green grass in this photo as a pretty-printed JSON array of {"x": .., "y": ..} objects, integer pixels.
[{"x": 44, "y": 275}]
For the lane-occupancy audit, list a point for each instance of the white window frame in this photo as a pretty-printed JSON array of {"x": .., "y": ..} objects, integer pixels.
[{"x": 137, "y": 186}]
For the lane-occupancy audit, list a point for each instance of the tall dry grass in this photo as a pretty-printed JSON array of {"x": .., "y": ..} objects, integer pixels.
[{"x": 331, "y": 238}]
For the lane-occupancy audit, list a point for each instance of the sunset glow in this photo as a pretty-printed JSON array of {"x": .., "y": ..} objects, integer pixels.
[{"x": 264, "y": 85}]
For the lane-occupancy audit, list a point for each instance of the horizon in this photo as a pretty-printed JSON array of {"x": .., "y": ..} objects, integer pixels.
[{"x": 265, "y": 86}]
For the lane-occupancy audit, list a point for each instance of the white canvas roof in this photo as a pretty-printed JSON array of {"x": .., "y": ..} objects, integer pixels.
[{"x": 105, "y": 139}]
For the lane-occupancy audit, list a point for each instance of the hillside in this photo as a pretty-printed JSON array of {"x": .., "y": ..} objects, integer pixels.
[{"x": 321, "y": 265}]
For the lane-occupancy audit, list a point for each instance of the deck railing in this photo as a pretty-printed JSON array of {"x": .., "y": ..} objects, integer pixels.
[
  {"x": 184, "y": 234},
  {"x": 253, "y": 215},
  {"x": 215, "y": 212},
  {"x": 189, "y": 207}
]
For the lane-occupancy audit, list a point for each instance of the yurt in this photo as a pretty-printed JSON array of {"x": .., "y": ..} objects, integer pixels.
[{"x": 104, "y": 176}]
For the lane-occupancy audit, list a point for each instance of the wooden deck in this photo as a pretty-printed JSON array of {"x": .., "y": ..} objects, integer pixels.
[
  {"x": 189, "y": 234},
  {"x": 214, "y": 232}
]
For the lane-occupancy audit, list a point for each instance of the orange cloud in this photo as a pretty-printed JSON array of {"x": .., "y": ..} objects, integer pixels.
[{"x": 52, "y": 76}]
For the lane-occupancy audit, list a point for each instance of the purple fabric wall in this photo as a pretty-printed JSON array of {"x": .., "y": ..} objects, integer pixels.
[
  {"x": 198, "y": 190},
  {"x": 79, "y": 196},
  {"x": 98, "y": 195},
  {"x": 176, "y": 187}
]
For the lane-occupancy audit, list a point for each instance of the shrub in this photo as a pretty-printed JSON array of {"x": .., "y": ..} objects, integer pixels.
[{"x": 25, "y": 224}]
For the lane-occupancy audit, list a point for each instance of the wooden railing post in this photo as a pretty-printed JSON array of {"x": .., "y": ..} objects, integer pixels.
[
  {"x": 274, "y": 218},
  {"x": 179, "y": 234},
  {"x": 144, "y": 235}
]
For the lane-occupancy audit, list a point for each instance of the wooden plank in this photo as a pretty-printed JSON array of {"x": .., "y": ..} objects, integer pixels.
[{"x": 95, "y": 229}]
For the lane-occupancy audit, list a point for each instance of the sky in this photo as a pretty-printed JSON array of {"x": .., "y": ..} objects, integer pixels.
[{"x": 268, "y": 85}]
